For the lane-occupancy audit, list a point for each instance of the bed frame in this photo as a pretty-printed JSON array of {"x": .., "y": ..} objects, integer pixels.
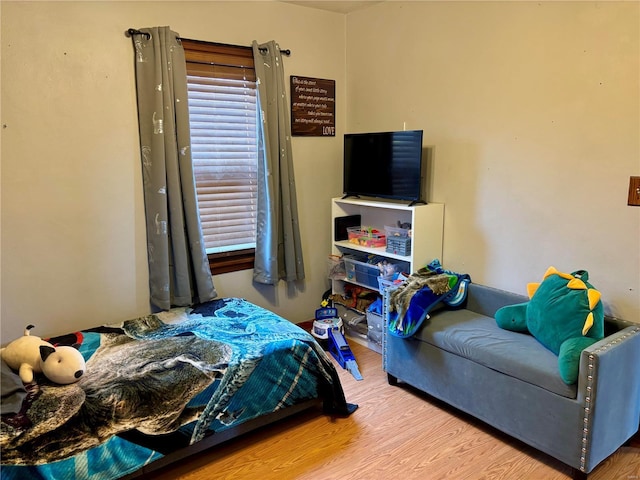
[{"x": 215, "y": 439}]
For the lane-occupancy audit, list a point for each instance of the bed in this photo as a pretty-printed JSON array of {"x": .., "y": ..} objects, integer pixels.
[{"x": 160, "y": 387}]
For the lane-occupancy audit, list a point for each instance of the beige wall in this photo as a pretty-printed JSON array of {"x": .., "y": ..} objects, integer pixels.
[
  {"x": 73, "y": 241},
  {"x": 533, "y": 112},
  {"x": 531, "y": 109}
]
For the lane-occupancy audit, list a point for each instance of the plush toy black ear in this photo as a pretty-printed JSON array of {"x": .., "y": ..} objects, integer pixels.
[{"x": 45, "y": 351}]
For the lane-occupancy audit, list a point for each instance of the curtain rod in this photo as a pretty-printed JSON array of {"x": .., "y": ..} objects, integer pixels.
[{"x": 132, "y": 31}]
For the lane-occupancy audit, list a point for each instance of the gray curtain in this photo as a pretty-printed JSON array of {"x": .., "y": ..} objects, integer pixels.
[
  {"x": 179, "y": 273},
  {"x": 278, "y": 244}
]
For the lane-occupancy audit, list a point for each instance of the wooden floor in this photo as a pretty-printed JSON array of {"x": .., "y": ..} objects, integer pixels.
[{"x": 397, "y": 433}]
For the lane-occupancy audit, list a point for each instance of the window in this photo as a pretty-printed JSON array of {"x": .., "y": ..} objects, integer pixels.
[{"x": 223, "y": 120}]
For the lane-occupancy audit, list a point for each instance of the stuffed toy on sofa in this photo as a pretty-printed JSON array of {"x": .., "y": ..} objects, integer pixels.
[
  {"x": 564, "y": 314},
  {"x": 29, "y": 355}
]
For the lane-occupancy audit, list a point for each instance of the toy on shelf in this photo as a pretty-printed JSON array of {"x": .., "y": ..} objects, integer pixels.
[{"x": 366, "y": 237}]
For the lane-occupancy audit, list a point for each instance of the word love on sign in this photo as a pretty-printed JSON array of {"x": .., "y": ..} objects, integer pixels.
[{"x": 313, "y": 107}]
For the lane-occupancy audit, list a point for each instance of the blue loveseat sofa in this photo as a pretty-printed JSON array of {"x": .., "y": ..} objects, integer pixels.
[{"x": 510, "y": 381}]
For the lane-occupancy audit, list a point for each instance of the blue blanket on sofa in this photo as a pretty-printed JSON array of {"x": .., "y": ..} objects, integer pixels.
[{"x": 428, "y": 288}]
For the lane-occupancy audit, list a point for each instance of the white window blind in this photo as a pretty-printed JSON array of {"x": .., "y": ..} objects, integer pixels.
[{"x": 222, "y": 114}]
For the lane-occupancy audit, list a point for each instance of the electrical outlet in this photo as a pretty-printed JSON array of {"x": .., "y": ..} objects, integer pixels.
[{"x": 634, "y": 191}]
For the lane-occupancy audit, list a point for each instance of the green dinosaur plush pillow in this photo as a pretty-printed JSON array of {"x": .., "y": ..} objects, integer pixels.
[{"x": 564, "y": 313}]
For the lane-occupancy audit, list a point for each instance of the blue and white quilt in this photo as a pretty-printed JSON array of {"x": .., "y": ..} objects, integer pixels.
[{"x": 160, "y": 382}]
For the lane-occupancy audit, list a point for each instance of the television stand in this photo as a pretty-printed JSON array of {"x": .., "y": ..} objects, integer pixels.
[
  {"x": 417, "y": 202},
  {"x": 427, "y": 223}
]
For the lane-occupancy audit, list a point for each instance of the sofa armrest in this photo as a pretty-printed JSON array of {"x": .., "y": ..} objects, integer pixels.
[
  {"x": 613, "y": 325},
  {"x": 609, "y": 390}
]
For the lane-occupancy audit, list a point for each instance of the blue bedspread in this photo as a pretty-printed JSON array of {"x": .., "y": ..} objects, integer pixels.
[{"x": 184, "y": 375}]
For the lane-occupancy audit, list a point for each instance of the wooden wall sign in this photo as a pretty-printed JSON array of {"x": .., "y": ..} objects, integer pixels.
[{"x": 313, "y": 107}]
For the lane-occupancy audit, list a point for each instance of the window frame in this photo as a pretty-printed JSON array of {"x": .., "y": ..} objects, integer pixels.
[{"x": 201, "y": 52}]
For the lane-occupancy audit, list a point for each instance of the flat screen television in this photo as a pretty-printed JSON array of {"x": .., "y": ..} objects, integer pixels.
[{"x": 384, "y": 165}]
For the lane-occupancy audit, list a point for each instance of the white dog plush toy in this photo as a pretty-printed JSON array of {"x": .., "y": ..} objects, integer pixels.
[{"x": 30, "y": 355}]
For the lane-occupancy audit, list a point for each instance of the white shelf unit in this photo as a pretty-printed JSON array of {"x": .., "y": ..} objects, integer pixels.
[{"x": 427, "y": 224}]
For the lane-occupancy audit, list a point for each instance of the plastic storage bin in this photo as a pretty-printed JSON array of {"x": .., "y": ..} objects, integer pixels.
[
  {"x": 366, "y": 237},
  {"x": 374, "y": 331},
  {"x": 399, "y": 245},
  {"x": 349, "y": 268},
  {"x": 396, "y": 231},
  {"x": 390, "y": 281},
  {"x": 398, "y": 240},
  {"x": 363, "y": 273}
]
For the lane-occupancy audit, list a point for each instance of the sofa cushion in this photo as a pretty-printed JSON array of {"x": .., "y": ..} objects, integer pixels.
[{"x": 478, "y": 338}]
